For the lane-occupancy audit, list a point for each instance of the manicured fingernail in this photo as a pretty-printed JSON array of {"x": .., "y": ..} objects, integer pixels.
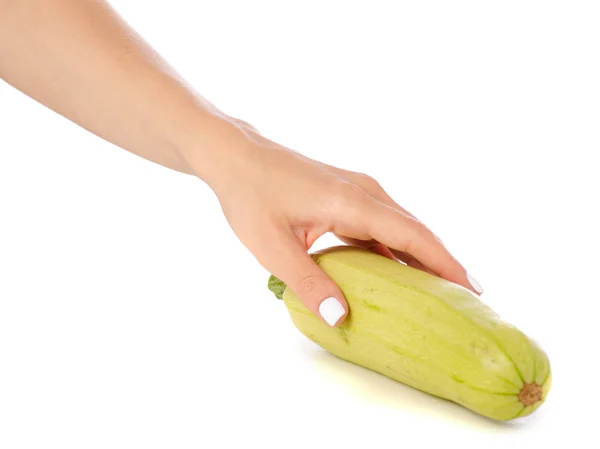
[
  {"x": 331, "y": 310},
  {"x": 476, "y": 285}
]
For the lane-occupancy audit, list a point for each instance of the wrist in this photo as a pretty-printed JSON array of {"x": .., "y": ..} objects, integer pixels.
[{"x": 215, "y": 148}]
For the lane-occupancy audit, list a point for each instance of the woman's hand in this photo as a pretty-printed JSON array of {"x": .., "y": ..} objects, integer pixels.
[
  {"x": 80, "y": 59},
  {"x": 279, "y": 203}
]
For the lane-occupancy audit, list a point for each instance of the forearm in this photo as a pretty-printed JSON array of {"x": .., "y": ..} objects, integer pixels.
[{"x": 81, "y": 60}]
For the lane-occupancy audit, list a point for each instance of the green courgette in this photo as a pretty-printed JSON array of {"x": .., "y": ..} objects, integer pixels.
[{"x": 427, "y": 333}]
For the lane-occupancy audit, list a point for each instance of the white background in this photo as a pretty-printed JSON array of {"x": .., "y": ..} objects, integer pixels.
[{"x": 130, "y": 316}]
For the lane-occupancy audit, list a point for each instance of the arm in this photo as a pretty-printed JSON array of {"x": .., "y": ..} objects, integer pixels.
[{"x": 80, "y": 59}]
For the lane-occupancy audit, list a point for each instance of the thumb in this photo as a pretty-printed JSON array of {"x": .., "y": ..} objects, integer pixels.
[{"x": 296, "y": 268}]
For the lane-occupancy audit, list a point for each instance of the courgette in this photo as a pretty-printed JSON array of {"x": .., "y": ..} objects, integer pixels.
[{"x": 427, "y": 333}]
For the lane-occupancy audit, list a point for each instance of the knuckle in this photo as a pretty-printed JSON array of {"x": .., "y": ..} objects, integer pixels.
[
  {"x": 341, "y": 206},
  {"x": 367, "y": 181},
  {"x": 308, "y": 283},
  {"x": 349, "y": 201},
  {"x": 343, "y": 196}
]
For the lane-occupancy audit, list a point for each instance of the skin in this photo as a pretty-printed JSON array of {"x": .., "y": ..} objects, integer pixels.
[{"x": 82, "y": 60}]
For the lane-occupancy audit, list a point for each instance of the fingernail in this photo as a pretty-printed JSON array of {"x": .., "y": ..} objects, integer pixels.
[
  {"x": 476, "y": 285},
  {"x": 331, "y": 310}
]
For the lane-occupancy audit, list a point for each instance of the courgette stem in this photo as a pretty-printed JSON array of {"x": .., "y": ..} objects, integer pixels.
[{"x": 277, "y": 286}]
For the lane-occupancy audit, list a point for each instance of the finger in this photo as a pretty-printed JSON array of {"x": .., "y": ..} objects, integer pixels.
[
  {"x": 383, "y": 250},
  {"x": 373, "y": 188},
  {"x": 289, "y": 261},
  {"x": 411, "y": 261},
  {"x": 402, "y": 233},
  {"x": 379, "y": 193},
  {"x": 376, "y": 190},
  {"x": 421, "y": 244}
]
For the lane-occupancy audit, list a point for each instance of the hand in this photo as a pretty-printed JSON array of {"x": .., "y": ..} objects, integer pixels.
[
  {"x": 279, "y": 203},
  {"x": 109, "y": 81}
]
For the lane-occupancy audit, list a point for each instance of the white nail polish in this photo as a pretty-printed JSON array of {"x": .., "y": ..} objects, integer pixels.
[
  {"x": 331, "y": 310},
  {"x": 474, "y": 283}
]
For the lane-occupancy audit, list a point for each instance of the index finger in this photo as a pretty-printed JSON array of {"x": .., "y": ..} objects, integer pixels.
[{"x": 402, "y": 232}]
